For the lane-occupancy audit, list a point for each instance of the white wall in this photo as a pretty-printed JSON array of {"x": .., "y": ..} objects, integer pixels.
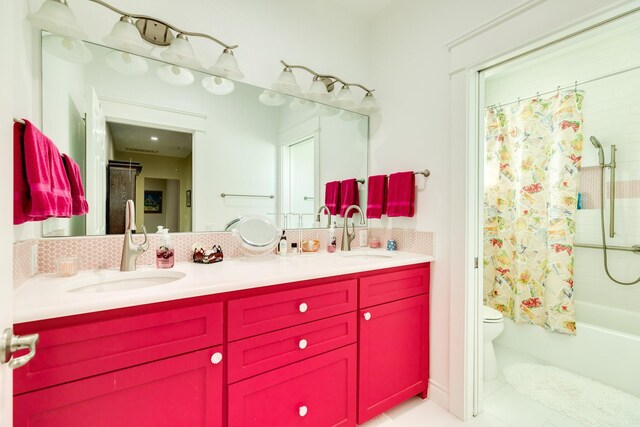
[
  {"x": 409, "y": 69},
  {"x": 424, "y": 124}
]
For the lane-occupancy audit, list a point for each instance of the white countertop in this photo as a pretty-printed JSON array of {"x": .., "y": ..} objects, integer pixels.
[{"x": 46, "y": 296}]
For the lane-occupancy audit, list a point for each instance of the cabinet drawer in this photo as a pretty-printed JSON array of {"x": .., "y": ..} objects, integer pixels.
[
  {"x": 387, "y": 287},
  {"x": 320, "y": 391},
  {"x": 73, "y": 352},
  {"x": 265, "y": 313},
  {"x": 253, "y": 356},
  {"x": 180, "y": 391}
]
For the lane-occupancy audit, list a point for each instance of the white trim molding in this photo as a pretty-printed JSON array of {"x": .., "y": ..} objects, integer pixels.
[
  {"x": 438, "y": 394},
  {"x": 509, "y": 14}
]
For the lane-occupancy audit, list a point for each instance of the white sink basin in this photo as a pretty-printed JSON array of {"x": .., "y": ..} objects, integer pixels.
[
  {"x": 114, "y": 281},
  {"x": 365, "y": 255}
]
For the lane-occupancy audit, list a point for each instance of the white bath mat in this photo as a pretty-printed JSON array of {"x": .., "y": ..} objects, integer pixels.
[{"x": 590, "y": 402}]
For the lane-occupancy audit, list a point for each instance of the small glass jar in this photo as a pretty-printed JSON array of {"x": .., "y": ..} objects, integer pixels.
[
  {"x": 374, "y": 243},
  {"x": 67, "y": 266}
]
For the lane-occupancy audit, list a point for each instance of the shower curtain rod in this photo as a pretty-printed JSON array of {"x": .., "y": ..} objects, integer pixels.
[{"x": 568, "y": 86}]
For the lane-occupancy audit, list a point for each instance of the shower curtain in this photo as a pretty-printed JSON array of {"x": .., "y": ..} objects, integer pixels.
[{"x": 532, "y": 162}]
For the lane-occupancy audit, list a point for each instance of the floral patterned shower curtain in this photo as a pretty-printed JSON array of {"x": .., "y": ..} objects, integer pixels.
[{"x": 533, "y": 154}]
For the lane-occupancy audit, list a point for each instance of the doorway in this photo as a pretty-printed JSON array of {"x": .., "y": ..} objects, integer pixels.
[{"x": 594, "y": 65}]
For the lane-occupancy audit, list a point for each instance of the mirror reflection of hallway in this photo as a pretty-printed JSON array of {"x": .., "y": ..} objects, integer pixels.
[
  {"x": 165, "y": 206},
  {"x": 166, "y": 160}
]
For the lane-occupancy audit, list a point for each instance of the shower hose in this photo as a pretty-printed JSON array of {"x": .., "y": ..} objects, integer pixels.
[{"x": 604, "y": 239}]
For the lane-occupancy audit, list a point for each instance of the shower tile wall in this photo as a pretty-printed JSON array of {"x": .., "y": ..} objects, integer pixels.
[{"x": 612, "y": 113}]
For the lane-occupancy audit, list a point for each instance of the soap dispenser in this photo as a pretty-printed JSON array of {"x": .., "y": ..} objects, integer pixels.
[{"x": 164, "y": 254}]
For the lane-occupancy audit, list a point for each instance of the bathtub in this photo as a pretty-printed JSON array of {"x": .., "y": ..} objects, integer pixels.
[{"x": 606, "y": 347}]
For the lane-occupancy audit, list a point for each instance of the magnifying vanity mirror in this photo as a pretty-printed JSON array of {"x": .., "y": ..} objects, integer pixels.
[{"x": 195, "y": 152}]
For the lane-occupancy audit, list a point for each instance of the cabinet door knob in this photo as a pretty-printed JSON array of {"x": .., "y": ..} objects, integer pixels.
[
  {"x": 367, "y": 316},
  {"x": 302, "y": 344},
  {"x": 303, "y": 411},
  {"x": 216, "y": 358},
  {"x": 303, "y": 307}
]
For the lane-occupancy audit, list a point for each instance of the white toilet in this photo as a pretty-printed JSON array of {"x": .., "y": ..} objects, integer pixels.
[{"x": 492, "y": 327}]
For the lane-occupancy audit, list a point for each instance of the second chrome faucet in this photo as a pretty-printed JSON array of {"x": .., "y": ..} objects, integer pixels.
[{"x": 347, "y": 237}]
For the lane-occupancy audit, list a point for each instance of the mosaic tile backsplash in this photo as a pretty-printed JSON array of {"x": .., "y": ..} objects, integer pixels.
[
  {"x": 590, "y": 187},
  {"x": 105, "y": 251}
]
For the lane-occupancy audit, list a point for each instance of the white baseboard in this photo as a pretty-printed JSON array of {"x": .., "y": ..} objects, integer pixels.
[{"x": 438, "y": 394}]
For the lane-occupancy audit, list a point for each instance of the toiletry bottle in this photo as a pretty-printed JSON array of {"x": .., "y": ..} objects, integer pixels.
[
  {"x": 294, "y": 248},
  {"x": 282, "y": 246},
  {"x": 164, "y": 253},
  {"x": 331, "y": 247}
]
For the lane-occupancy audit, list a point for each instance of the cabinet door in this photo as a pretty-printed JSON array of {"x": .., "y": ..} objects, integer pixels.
[
  {"x": 180, "y": 391},
  {"x": 394, "y": 354},
  {"x": 317, "y": 392}
]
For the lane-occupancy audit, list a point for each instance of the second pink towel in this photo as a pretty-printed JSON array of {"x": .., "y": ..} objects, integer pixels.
[
  {"x": 349, "y": 195},
  {"x": 401, "y": 194},
  {"x": 377, "y": 196}
]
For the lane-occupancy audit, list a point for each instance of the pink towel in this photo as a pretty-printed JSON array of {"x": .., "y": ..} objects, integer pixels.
[
  {"x": 401, "y": 195},
  {"x": 79, "y": 205},
  {"x": 377, "y": 196},
  {"x": 21, "y": 198},
  {"x": 332, "y": 197},
  {"x": 348, "y": 195},
  {"x": 46, "y": 192}
]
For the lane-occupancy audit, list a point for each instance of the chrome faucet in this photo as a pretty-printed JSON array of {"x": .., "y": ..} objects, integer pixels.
[
  {"x": 324, "y": 208},
  {"x": 346, "y": 237},
  {"x": 130, "y": 250}
]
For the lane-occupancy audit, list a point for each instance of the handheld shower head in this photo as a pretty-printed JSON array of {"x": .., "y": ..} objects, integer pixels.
[{"x": 596, "y": 143}]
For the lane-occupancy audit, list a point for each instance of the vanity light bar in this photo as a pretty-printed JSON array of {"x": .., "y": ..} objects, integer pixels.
[{"x": 156, "y": 31}]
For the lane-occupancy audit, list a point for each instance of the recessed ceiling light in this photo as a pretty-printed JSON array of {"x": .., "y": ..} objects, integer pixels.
[{"x": 154, "y": 138}]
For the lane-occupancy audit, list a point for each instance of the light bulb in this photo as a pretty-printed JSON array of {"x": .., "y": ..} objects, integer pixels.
[
  {"x": 125, "y": 36},
  {"x": 181, "y": 52},
  {"x": 227, "y": 66},
  {"x": 67, "y": 48},
  {"x": 126, "y": 63},
  {"x": 175, "y": 75},
  {"x": 271, "y": 99},
  {"x": 345, "y": 98},
  {"x": 287, "y": 82}
]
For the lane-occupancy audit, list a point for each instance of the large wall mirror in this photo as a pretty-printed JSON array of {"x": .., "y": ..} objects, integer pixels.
[{"x": 195, "y": 152}]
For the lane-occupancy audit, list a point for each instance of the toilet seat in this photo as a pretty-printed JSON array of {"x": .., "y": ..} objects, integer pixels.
[{"x": 491, "y": 315}]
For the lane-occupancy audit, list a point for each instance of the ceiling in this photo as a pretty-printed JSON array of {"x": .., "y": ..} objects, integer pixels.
[
  {"x": 137, "y": 139},
  {"x": 366, "y": 8}
]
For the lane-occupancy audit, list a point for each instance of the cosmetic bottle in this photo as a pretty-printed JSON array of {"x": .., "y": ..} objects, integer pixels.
[
  {"x": 164, "y": 254},
  {"x": 283, "y": 246},
  {"x": 331, "y": 247}
]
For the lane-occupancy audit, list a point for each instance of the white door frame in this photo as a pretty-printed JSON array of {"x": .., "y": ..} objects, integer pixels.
[{"x": 466, "y": 324}]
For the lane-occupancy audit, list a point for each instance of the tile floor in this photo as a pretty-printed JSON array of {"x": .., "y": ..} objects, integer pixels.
[{"x": 503, "y": 406}]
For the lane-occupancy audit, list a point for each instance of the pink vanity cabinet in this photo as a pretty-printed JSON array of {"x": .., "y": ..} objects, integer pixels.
[
  {"x": 324, "y": 352},
  {"x": 154, "y": 365},
  {"x": 393, "y": 340}
]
